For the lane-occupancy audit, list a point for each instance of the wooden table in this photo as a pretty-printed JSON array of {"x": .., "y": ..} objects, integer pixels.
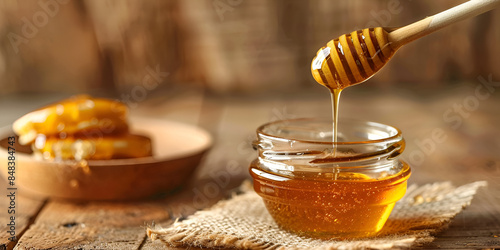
[{"x": 469, "y": 153}]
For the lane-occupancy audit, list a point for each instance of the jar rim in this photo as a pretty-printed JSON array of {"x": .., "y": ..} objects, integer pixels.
[{"x": 395, "y": 133}]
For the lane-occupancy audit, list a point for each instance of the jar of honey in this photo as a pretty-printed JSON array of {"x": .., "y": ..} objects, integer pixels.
[{"x": 314, "y": 187}]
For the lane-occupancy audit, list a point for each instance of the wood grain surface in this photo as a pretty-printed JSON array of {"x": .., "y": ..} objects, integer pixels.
[{"x": 469, "y": 152}]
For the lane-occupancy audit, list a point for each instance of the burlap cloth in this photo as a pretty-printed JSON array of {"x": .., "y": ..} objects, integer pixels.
[{"x": 243, "y": 222}]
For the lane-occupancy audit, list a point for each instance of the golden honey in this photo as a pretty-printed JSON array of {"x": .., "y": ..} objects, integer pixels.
[
  {"x": 81, "y": 128},
  {"x": 104, "y": 148},
  {"x": 352, "y": 58},
  {"x": 77, "y": 115},
  {"x": 311, "y": 192},
  {"x": 326, "y": 186},
  {"x": 348, "y": 60},
  {"x": 349, "y": 206}
]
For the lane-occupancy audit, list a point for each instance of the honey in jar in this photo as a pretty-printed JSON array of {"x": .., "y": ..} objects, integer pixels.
[{"x": 312, "y": 192}]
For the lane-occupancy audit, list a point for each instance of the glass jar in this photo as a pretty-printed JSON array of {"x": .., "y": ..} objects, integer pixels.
[{"x": 314, "y": 187}]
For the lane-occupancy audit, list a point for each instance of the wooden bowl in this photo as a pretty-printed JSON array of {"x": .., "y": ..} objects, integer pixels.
[{"x": 177, "y": 151}]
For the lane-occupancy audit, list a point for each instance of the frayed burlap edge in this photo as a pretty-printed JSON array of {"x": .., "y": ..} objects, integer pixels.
[{"x": 424, "y": 211}]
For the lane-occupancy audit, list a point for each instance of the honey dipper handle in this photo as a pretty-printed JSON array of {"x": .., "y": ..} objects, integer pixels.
[{"x": 406, "y": 34}]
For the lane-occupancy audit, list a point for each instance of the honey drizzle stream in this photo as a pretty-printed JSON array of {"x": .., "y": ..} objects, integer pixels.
[
  {"x": 360, "y": 54},
  {"x": 335, "y": 96},
  {"x": 335, "y": 93}
]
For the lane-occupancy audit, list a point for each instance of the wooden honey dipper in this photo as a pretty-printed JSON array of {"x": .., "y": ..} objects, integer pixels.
[{"x": 353, "y": 58}]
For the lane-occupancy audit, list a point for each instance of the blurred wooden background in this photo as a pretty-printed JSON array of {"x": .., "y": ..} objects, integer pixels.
[
  {"x": 243, "y": 63},
  {"x": 225, "y": 46}
]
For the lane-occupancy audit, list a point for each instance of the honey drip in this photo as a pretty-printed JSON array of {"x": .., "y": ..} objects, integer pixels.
[
  {"x": 335, "y": 96},
  {"x": 349, "y": 60}
]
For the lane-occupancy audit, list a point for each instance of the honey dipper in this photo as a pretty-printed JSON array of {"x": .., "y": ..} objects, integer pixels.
[{"x": 355, "y": 57}]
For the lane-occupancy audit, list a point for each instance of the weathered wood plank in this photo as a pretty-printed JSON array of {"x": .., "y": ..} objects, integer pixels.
[
  {"x": 475, "y": 242},
  {"x": 63, "y": 225},
  {"x": 109, "y": 225},
  {"x": 471, "y": 229},
  {"x": 24, "y": 209}
]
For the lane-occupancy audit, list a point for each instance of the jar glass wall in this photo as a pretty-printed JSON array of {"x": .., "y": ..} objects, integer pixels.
[{"x": 314, "y": 187}]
